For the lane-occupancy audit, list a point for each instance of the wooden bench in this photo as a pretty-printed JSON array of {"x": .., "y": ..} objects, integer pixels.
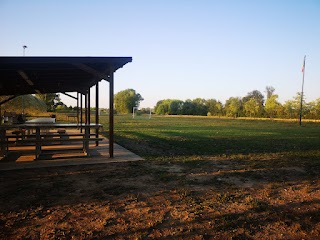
[
  {"x": 73, "y": 116},
  {"x": 53, "y": 135},
  {"x": 48, "y": 139},
  {"x": 45, "y": 142},
  {"x": 44, "y": 136},
  {"x": 58, "y": 140}
]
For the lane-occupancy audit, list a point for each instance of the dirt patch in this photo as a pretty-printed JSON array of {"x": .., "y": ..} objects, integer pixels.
[{"x": 160, "y": 200}]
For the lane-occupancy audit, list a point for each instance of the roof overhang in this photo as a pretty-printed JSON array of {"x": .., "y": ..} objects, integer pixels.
[{"x": 28, "y": 75}]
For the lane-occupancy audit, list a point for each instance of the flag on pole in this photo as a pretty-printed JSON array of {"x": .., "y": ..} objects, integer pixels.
[{"x": 304, "y": 63}]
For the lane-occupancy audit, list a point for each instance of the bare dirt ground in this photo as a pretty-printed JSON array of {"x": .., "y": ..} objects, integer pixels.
[{"x": 204, "y": 199}]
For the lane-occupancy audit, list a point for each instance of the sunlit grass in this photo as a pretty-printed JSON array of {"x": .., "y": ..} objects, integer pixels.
[{"x": 199, "y": 137}]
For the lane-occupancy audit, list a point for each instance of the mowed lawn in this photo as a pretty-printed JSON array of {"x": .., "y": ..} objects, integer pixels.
[
  {"x": 187, "y": 138},
  {"x": 203, "y": 178}
]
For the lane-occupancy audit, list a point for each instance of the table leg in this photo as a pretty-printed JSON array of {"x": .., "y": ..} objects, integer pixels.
[
  {"x": 86, "y": 142},
  {"x": 38, "y": 143}
]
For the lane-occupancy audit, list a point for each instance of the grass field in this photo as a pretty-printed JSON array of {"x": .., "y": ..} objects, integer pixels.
[
  {"x": 183, "y": 138},
  {"x": 203, "y": 178}
]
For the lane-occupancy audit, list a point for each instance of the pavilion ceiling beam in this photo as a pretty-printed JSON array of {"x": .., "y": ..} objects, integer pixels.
[
  {"x": 69, "y": 95},
  {"x": 25, "y": 77},
  {"x": 90, "y": 70},
  {"x": 8, "y": 99}
]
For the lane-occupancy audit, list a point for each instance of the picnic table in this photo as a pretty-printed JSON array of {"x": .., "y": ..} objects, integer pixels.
[
  {"x": 41, "y": 120},
  {"x": 40, "y": 139}
]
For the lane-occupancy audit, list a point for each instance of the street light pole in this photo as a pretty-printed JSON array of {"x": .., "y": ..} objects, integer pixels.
[{"x": 24, "y": 49}]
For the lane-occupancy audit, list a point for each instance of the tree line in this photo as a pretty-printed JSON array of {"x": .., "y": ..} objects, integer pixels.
[{"x": 253, "y": 105}]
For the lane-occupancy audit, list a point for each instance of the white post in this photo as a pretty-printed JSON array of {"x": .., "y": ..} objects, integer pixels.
[{"x": 134, "y": 108}]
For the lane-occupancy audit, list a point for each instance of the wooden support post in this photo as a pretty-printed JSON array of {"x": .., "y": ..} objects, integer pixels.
[
  {"x": 77, "y": 108},
  {"x": 38, "y": 144},
  {"x": 111, "y": 123},
  {"x": 89, "y": 107},
  {"x": 81, "y": 111},
  {"x": 97, "y": 112},
  {"x": 86, "y": 108}
]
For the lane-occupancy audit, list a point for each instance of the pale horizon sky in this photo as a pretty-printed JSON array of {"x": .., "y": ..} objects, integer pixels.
[{"x": 181, "y": 49}]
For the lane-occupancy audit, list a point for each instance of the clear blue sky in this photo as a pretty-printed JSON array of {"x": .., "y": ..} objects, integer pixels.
[{"x": 181, "y": 48}]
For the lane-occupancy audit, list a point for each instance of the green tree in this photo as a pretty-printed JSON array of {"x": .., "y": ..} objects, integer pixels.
[
  {"x": 169, "y": 106},
  {"x": 127, "y": 99},
  {"x": 219, "y": 108},
  {"x": 252, "y": 107},
  {"x": 292, "y": 107},
  {"x": 212, "y": 107},
  {"x": 175, "y": 107},
  {"x": 215, "y": 108},
  {"x": 52, "y": 100},
  {"x": 257, "y": 95},
  {"x": 188, "y": 107},
  {"x": 259, "y": 98},
  {"x": 269, "y": 90},
  {"x": 160, "y": 108},
  {"x": 27, "y": 103},
  {"x": 315, "y": 109},
  {"x": 61, "y": 107},
  {"x": 200, "y": 107},
  {"x": 233, "y": 107},
  {"x": 272, "y": 106}
]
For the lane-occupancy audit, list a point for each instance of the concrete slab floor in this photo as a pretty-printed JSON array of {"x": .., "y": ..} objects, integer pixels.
[{"x": 71, "y": 155}]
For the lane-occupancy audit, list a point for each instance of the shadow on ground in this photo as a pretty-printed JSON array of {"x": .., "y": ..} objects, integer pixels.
[{"x": 204, "y": 199}]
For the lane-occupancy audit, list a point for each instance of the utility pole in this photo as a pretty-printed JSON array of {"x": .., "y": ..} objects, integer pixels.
[{"x": 301, "y": 100}]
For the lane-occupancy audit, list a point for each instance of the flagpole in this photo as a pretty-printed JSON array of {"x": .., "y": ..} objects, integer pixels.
[{"x": 303, "y": 71}]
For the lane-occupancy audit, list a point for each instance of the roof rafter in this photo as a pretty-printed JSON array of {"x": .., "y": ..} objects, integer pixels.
[{"x": 90, "y": 70}]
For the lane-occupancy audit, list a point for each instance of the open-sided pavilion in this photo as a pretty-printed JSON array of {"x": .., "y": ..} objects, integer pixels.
[{"x": 30, "y": 75}]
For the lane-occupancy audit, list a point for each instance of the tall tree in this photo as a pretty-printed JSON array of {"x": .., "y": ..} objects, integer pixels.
[
  {"x": 169, "y": 106},
  {"x": 200, "y": 107},
  {"x": 233, "y": 107},
  {"x": 258, "y": 98},
  {"x": 272, "y": 105},
  {"x": 215, "y": 108},
  {"x": 188, "y": 107},
  {"x": 316, "y": 108},
  {"x": 292, "y": 107},
  {"x": 175, "y": 107},
  {"x": 31, "y": 104},
  {"x": 212, "y": 107},
  {"x": 256, "y": 95},
  {"x": 252, "y": 107},
  {"x": 269, "y": 90},
  {"x": 52, "y": 100},
  {"x": 127, "y": 99}
]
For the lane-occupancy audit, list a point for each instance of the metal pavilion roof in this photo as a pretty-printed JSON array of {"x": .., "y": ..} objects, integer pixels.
[{"x": 28, "y": 75}]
